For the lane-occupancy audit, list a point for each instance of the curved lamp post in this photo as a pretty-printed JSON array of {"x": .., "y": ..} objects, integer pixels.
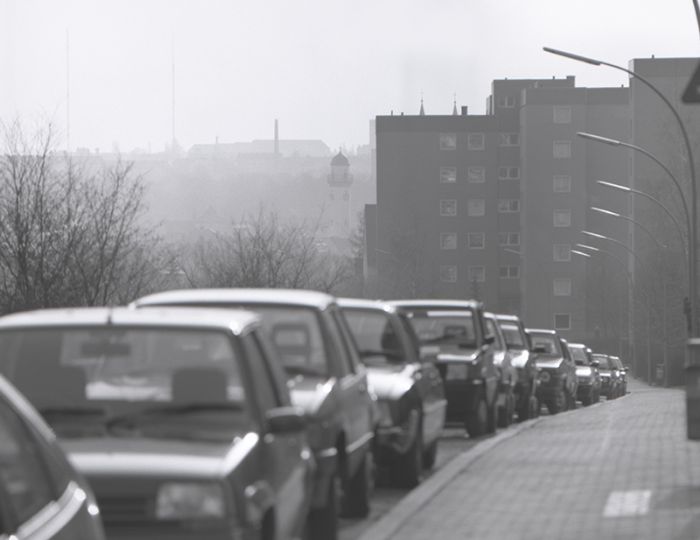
[
  {"x": 656, "y": 201},
  {"x": 692, "y": 229}
]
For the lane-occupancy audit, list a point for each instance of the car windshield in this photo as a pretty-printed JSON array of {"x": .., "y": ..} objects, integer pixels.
[
  {"x": 603, "y": 361},
  {"x": 579, "y": 356},
  {"x": 444, "y": 328},
  {"x": 545, "y": 343},
  {"x": 376, "y": 337},
  {"x": 296, "y": 333},
  {"x": 162, "y": 382},
  {"x": 513, "y": 336}
]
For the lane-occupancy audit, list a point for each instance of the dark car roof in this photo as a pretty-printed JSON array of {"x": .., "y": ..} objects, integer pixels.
[
  {"x": 436, "y": 303},
  {"x": 296, "y": 297},
  {"x": 233, "y": 320}
]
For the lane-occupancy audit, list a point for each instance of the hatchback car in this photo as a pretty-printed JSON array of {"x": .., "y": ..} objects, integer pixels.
[
  {"x": 622, "y": 374},
  {"x": 326, "y": 379},
  {"x": 557, "y": 372},
  {"x": 465, "y": 359},
  {"x": 41, "y": 493},
  {"x": 513, "y": 329},
  {"x": 409, "y": 390},
  {"x": 180, "y": 419},
  {"x": 508, "y": 373},
  {"x": 610, "y": 384},
  {"x": 587, "y": 374}
]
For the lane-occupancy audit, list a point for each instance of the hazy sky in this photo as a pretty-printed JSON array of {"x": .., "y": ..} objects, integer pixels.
[{"x": 323, "y": 67}]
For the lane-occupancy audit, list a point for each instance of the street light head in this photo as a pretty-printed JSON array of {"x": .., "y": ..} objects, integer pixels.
[
  {"x": 581, "y": 253},
  {"x": 598, "y": 138},
  {"x": 586, "y": 246},
  {"x": 595, "y": 235},
  {"x": 613, "y": 186},
  {"x": 606, "y": 212},
  {"x": 572, "y": 56}
]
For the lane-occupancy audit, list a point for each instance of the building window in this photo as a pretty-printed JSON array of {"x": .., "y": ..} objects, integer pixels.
[
  {"x": 506, "y": 102},
  {"x": 562, "y": 321},
  {"x": 448, "y": 273},
  {"x": 562, "y": 218},
  {"x": 476, "y": 175},
  {"x": 562, "y": 114},
  {"x": 508, "y": 206},
  {"x": 475, "y": 141},
  {"x": 448, "y": 141},
  {"x": 510, "y": 139},
  {"x": 477, "y": 273},
  {"x": 562, "y": 149},
  {"x": 509, "y": 272},
  {"x": 509, "y": 173},
  {"x": 448, "y": 207},
  {"x": 561, "y": 287},
  {"x": 476, "y": 240},
  {"x": 562, "y": 183},
  {"x": 562, "y": 252},
  {"x": 448, "y": 240},
  {"x": 509, "y": 239},
  {"x": 476, "y": 207},
  {"x": 448, "y": 175}
]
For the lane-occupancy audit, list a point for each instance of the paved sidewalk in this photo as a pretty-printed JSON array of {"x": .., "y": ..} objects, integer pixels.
[{"x": 620, "y": 469}]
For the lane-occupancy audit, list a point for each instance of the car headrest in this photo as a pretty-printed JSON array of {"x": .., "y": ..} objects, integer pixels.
[
  {"x": 43, "y": 384},
  {"x": 199, "y": 385},
  {"x": 292, "y": 338}
]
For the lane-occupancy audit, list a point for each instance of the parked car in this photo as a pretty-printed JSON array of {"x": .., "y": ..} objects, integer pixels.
[
  {"x": 527, "y": 403},
  {"x": 41, "y": 493},
  {"x": 587, "y": 374},
  {"x": 507, "y": 372},
  {"x": 326, "y": 379},
  {"x": 409, "y": 390},
  {"x": 621, "y": 373},
  {"x": 609, "y": 377},
  {"x": 557, "y": 372},
  {"x": 465, "y": 358},
  {"x": 180, "y": 419}
]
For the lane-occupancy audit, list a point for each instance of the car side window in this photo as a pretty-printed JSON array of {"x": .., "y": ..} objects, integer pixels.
[
  {"x": 337, "y": 344},
  {"x": 23, "y": 473},
  {"x": 262, "y": 378},
  {"x": 348, "y": 339}
]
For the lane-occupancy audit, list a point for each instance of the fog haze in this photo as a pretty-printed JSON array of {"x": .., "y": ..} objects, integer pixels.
[{"x": 323, "y": 68}]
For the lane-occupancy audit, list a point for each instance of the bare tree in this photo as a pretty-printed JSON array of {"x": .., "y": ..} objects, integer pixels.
[
  {"x": 68, "y": 236},
  {"x": 260, "y": 251}
]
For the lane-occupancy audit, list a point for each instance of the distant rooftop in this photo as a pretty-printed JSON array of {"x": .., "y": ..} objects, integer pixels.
[{"x": 287, "y": 148}]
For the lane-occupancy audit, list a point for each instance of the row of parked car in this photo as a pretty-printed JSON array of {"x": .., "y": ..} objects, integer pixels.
[{"x": 255, "y": 413}]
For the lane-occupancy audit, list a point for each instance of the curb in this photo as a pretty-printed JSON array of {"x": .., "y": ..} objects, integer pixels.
[{"x": 388, "y": 525}]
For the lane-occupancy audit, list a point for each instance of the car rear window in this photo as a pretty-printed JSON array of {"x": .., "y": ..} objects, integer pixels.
[
  {"x": 376, "y": 338},
  {"x": 547, "y": 342},
  {"x": 444, "y": 327},
  {"x": 604, "y": 361},
  {"x": 514, "y": 338},
  {"x": 579, "y": 355}
]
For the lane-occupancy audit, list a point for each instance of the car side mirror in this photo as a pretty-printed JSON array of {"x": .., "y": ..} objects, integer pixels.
[{"x": 285, "y": 420}]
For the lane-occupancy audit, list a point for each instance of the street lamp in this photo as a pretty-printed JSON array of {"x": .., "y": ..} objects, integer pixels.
[
  {"x": 613, "y": 240},
  {"x": 615, "y": 142},
  {"x": 692, "y": 228},
  {"x": 633, "y": 221},
  {"x": 656, "y": 201}
]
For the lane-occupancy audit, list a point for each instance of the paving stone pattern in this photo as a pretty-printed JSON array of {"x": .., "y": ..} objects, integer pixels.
[{"x": 555, "y": 480}]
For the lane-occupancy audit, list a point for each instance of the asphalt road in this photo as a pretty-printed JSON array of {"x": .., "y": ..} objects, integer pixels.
[{"x": 454, "y": 441}]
